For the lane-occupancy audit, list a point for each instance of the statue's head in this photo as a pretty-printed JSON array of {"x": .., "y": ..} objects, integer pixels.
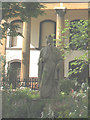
[{"x": 49, "y": 40}]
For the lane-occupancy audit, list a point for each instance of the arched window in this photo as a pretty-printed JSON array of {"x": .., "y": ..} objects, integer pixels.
[
  {"x": 78, "y": 34},
  {"x": 14, "y": 72},
  {"x": 16, "y": 41},
  {"x": 47, "y": 27}
]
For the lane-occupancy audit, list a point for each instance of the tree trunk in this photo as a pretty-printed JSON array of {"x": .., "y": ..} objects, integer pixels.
[{"x": 25, "y": 62}]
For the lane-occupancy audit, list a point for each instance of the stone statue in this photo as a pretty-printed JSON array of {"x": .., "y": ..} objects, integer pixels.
[{"x": 49, "y": 70}]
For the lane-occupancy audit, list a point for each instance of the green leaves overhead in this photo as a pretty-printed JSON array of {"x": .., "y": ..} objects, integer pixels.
[
  {"x": 32, "y": 9},
  {"x": 23, "y": 10},
  {"x": 12, "y": 30},
  {"x": 10, "y": 10}
]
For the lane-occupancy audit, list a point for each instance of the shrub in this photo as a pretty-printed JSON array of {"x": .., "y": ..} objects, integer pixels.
[
  {"x": 26, "y": 103},
  {"x": 70, "y": 103},
  {"x": 16, "y": 104}
]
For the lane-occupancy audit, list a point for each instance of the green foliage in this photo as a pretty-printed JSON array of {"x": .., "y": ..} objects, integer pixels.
[
  {"x": 74, "y": 36},
  {"x": 2, "y": 70},
  {"x": 78, "y": 67},
  {"x": 66, "y": 85},
  {"x": 24, "y": 10},
  {"x": 76, "y": 32},
  {"x": 72, "y": 105},
  {"x": 26, "y": 103},
  {"x": 16, "y": 104},
  {"x": 33, "y": 8},
  {"x": 11, "y": 30}
]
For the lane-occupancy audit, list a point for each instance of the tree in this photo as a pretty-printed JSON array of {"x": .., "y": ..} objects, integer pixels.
[{"x": 24, "y": 10}]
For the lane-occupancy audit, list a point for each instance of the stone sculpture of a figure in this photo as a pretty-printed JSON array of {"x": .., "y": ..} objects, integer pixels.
[{"x": 50, "y": 70}]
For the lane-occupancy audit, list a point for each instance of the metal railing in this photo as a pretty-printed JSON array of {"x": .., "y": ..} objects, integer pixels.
[{"x": 32, "y": 83}]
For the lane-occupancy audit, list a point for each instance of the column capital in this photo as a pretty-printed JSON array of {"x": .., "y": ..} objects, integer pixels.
[{"x": 61, "y": 11}]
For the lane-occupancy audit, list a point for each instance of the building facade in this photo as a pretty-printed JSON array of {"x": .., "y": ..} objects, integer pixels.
[{"x": 42, "y": 26}]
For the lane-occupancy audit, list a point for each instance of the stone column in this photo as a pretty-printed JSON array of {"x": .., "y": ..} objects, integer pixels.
[
  {"x": 60, "y": 21},
  {"x": 59, "y": 27},
  {"x": 25, "y": 62}
]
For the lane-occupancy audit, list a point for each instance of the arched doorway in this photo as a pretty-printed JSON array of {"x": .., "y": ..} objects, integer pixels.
[{"x": 14, "y": 73}]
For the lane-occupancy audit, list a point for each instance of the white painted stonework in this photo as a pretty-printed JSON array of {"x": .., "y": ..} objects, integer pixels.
[{"x": 17, "y": 54}]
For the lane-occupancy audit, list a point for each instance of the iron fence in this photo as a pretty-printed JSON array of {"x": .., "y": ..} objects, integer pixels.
[{"x": 32, "y": 83}]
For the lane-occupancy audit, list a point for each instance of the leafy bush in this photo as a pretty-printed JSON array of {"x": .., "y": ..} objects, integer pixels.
[
  {"x": 68, "y": 106},
  {"x": 70, "y": 103},
  {"x": 26, "y": 103},
  {"x": 66, "y": 85},
  {"x": 16, "y": 104}
]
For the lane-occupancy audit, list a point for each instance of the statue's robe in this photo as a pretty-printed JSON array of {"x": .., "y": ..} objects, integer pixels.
[{"x": 50, "y": 71}]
